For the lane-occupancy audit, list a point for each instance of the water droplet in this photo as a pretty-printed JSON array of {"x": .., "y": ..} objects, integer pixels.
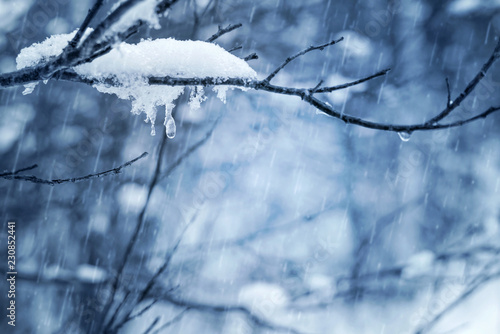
[
  {"x": 170, "y": 127},
  {"x": 404, "y": 135}
]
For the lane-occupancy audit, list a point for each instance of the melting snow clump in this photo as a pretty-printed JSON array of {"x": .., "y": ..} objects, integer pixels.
[{"x": 125, "y": 70}]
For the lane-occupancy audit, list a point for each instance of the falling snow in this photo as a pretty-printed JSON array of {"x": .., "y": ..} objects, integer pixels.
[{"x": 265, "y": 214}]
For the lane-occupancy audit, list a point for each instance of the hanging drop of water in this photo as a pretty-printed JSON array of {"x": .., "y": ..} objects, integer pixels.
[
  {"x": 404, "y": 135},
  {"x": 170, "y": 127}
]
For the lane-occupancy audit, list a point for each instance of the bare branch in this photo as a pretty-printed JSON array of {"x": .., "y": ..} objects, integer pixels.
[
  {"x": 135, "y": 234},
  {"x": 304, "y": 94},
  {"x": 171, "y": 322},
  {"x": 257, "y": 321},
  {"x": 19, "y": 170},
  {"x": 153, "y": 324},
  {"x": 352, "y": 83},
  {"x": 223, "y": 31},
  {"x": 34, "y": 179},
  {"x": 301, "y": 53},
  {"x": 106, "y": 24},
  {"x": 130, "y": 317},
  {"x": 456, "y": 302},
  {"x": 251, "y": 56},
  {"x": 239, "y": 47},
  {"x": 470, "y": 87},
  {"x": 92, "y": 13}
]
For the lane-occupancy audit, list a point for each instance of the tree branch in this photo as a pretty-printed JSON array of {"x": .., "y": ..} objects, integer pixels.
[
  {"x": 19, "y": 170},
  {"x": 92, "y": 13},
  {"x": 257, "y": 321},
  {"x": 469, "y": 88},
  {"x": 171, "y": 322},
  {"x": 301, "y": 53},
  {"x": 456, "y": 302},
  {"x": 34, "y": 179},
  {"x": 223, "y": 31}
]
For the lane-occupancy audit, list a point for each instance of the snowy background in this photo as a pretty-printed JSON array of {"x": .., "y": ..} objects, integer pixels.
[{"x": 309, "y": 224}]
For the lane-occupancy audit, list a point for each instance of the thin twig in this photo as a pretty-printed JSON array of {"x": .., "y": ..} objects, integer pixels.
[
  {"x": 352, "y": 83},
  {"x": 251, "y": 56},
  {"x": 171, "y": 322},
  {"x": 91, "y": 14},
  {"x": 469, "y": 88},
  {"x": 456, "y": 302},
  {"x": 223, "y": 31},
  {"x": 193, "y": 148},
  {"x": 225, "y": 309},
  {"x": 238, "y": 47},
  {"x": 153, "y": 324},
  {"x": 145, "y": 292},
  {"x": 34, "y": 179},
  {"x": 301, "y": 53},
  {"x": 138, "y": 228},
  {"x": 130, "y": 317},
  {"x": 20, "y": 170}
]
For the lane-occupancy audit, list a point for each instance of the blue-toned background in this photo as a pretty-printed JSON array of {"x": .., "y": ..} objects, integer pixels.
[{"x": 295, "y": 218}]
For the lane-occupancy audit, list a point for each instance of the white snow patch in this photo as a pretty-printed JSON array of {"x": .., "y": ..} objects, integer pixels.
[
  {"x": 463, "y": 6},
  {"x": 89, "y": 273},
  {"x": 355, "y": 44},
  {"x": 132, "y": 197},
  {"x": 419, "y": 264},
  {"x": 261, "y": 296},
  {"x": 129, "y": 66},
  {"x": 143, "y": 10},
  {"x": 39, "y": 53}
]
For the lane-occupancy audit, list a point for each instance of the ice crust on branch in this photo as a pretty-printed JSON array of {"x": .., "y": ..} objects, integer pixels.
[{"x": 130, "y": 66}]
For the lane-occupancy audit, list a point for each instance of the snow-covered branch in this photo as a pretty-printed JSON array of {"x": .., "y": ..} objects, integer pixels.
[{"x": 91, "y": 57}]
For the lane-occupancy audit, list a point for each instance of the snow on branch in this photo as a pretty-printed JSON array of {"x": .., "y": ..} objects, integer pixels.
[{"x": 154, "y": 73}]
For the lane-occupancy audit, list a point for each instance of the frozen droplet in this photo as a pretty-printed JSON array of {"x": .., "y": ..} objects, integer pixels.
[
  {"x": 29, "y": 88},
  {"x": 153, "y": 131},
  {"x": 170, "y": 127},
  {"x": 45, "y": 81},
  {"x": 404, "y": 135}
]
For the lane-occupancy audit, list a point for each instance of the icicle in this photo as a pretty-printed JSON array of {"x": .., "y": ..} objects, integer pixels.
[
  {"x": 170, "y": 127},
  {"x": 29, "y": 88}
]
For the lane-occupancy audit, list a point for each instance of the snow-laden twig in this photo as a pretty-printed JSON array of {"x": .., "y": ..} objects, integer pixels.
[
  {"x": 35, "y": 179},
  {"x": 102, "y": 40},
  {"x": 308, "y": 95}
]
